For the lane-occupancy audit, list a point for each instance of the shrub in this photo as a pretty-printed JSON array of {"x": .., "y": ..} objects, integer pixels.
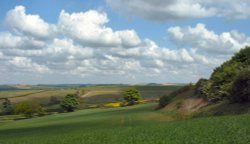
[
  {"x": 24, "y": 108},
  {"x": 41, "y": 111},
  {"x": 240, "y": 90},
  {"x": 7, "y": 108},
  {"x": 166, "y": 99},
  {"x": 132, "y": 96},
  {"x": 202, "y": 88},
  {"x": 28, "y": 109},
  {"x": 70, "y": 103}
]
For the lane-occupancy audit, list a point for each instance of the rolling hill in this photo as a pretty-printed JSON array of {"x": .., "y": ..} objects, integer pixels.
[{"x": 125, "y": 125}]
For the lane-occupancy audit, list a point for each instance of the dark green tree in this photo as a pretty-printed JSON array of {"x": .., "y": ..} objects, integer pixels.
[
  {"x": 70, "y": 102},
  {"x": 202, "y": 88},
  {"x": 132, "y": 96},
  {"x": 7, "y": 108},
  {"x": 221, "y": 81},
  {"x": 240, "y": 91}
]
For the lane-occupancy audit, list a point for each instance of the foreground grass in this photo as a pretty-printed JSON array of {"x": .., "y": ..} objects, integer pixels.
[{"x": 137, "y": 125}]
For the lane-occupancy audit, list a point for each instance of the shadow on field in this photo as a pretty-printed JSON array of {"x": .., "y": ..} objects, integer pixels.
[{"x": 69, "y": 122}]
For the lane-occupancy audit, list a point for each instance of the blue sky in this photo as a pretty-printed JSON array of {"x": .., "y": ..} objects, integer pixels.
[
  {"x": 50, "y": 9},
  {"x": 207, "y": 30}
]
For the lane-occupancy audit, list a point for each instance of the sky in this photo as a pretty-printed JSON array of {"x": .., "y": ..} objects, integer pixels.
[{"x": 118, "y": 41}]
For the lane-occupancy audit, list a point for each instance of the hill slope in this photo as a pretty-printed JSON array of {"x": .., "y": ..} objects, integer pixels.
[
  {"x": 137, "y": 124},
  {"x": 226, "y": 92}
]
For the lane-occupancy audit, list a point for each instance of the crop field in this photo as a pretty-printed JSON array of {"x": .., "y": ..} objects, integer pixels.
[
  {"x": 94, "y": 95},
  {"x": 125, "y": 125},
  {"x": 107, "y": 94},
  {"x": 41, "y": 96}
]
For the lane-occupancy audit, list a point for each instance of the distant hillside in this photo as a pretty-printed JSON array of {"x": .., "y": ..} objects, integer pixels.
[
  {"x": 7, "y": 87},
  {"x": 40, "y": 86},
  {"x": 61, "y": 85}
]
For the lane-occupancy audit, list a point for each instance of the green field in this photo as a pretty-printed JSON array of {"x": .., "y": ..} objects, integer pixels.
[
  {"x": 107, "y": 94},
  {"x": 125, "y": 125},
  {"x": 94, "y": 96}
]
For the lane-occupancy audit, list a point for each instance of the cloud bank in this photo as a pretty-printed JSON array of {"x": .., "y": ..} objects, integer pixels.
[
  {"x": 166, "y": 10},
  {"x": 81, "y": 48}
]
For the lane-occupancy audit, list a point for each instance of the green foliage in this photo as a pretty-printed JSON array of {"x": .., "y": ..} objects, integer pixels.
[
  {"x": 163, "y": 101},
  {"x": 202, "y": 88},
  {"x": 166, "y": 99},
  {"x": 28, "y": 109},
  {"x": 70, "y": 103},
  {"x": 132, "y": 96},
  {"x": 7, "y": 108},
  {"x": 220, "y": 83},
  {"x": 41, "y": 111},
  {"x": 24, "y": 108},
  {"x": 240, "y": 91}
]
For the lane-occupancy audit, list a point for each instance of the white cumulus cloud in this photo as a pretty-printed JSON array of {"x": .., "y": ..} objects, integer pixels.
[
  {"x": 204, "y": 40},
  {"x": 90, "y": 30},
  {"x": 27, "y": 65},
  {"x": 26, "y": 24},
  {"x": 81, "y": 48}
]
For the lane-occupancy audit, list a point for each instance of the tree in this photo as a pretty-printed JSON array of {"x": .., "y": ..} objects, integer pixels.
[
  {"x": 132, "y": 96},
  {"x": 28, "y": 109},
  {"x": 220, "y": 83},
  {"x": 201, "y": 88},
  {"x": 8, "y": 108},
  {"x": 70, "y": 102},
  {"x": 240, "y": 91}
]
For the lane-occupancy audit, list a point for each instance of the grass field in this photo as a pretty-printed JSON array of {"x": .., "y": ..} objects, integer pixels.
[{"x": 126, "y": 125}]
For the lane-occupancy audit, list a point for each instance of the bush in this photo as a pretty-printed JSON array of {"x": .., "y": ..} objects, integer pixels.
[
  {"x": 240, "y": 91},
  {"x": 202, "y": 88},
  {"x": 41, "y": 111},
  {"x": 166, "y": 99},
  {"x": 7, "y": 108},
  {"x": 132, "y": 96},
  {"x": 28, "y": 109},
  {"x": 24, "y": 108},
  {"x": 70, "y": 103}
]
